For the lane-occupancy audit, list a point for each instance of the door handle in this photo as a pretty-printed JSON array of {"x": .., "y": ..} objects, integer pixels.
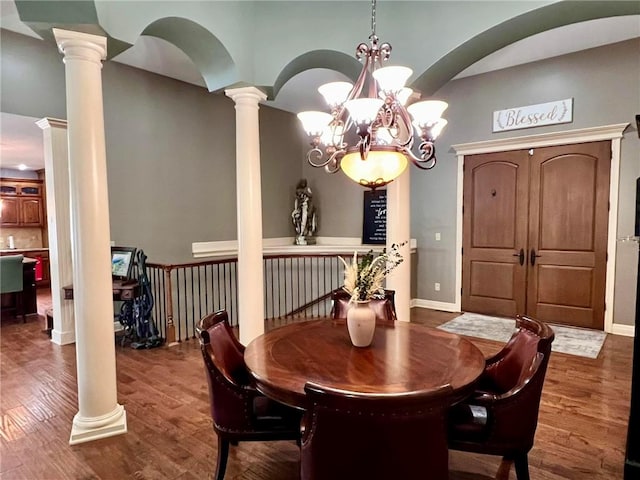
[
  {"x": 520, "y": 256},
  {"x": 533, "y": 256}
]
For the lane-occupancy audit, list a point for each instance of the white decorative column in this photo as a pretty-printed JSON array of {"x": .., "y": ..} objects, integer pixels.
[
  {"x": 56, "y": 166},
  {"x": 249, "y": 200},
  {"x": 398, "y": 231},
  {"x": 99, "y": 413}
]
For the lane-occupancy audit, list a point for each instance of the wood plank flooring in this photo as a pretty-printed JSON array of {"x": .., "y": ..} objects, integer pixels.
[{"x": 581, "y": 433}]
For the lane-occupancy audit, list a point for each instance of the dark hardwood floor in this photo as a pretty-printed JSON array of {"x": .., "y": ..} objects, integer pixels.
[{"x": 581, "y": 433}]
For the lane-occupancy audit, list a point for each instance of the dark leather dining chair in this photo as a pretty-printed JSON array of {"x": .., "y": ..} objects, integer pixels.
[
  {"x": 501, "y": 416},
  {"x": 238, "y": 410},
  {"x": 352, "y": 435},
  {"x": 12, "y": 280},
  {"x": 385, "y": 308}
]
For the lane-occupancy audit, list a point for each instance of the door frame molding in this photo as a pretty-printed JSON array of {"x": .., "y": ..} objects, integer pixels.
[{"x": 582, "y": 135}]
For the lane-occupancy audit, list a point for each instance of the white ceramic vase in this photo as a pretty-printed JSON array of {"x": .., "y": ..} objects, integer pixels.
[{"x": 361, "y": 323}]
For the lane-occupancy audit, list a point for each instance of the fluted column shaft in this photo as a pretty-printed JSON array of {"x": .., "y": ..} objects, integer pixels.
[
  {"x": 99, "y": 413},
  {"x": 249, "y": 207}
]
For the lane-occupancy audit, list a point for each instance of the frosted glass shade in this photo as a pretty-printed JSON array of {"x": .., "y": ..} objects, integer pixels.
[
  {"x": 381, "y": 166},
  {"x": 335, "y": 93},
  {"x": 332, "y": 136},
  {"x": 404, "y": 94},
  {"x": 392, "y": 79},
  {"x": 315, "y": 123},
  {"x": 364, "y": 110},
  {"x": 437, "y": 128},
  {"x": 426, "y": 113},
  {"x": 384, "y": 136}
]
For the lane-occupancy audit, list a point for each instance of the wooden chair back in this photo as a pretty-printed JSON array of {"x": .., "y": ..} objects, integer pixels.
[
  {"x": 351, "y": 435},
  {"x": 238, "y": 410},
  {"x": 501, "y": 417}
]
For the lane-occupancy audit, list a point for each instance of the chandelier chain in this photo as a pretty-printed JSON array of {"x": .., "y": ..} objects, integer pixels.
[{"x": 373, "y": 18}]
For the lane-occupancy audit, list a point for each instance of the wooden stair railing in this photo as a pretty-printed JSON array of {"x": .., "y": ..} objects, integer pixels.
[{"x": 294, "y": 285}]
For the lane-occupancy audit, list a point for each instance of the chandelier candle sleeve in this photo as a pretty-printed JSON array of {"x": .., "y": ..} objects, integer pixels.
[{"x": 384, "y": 127}]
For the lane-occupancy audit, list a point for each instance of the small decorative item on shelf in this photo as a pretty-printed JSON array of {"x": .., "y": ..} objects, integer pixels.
[{"x": 363, "y": 281}]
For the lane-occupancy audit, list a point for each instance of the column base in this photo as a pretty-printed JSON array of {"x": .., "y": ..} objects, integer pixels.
[
  {"x": 89, "y": 429},
  {"x": 60, "y": 337}
]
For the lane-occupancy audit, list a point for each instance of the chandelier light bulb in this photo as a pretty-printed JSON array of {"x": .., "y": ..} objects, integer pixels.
[
  {"x": 392, "y": 79},
  {"x": 335, "y": 93}
]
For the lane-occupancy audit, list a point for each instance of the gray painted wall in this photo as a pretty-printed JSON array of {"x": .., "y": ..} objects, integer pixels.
[
  {"x": 170, "y": 150},
  {"x": 605, "y": 85}
]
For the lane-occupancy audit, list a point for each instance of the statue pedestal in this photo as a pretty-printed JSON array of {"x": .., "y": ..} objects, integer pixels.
[{"x": 302, "y": 240}]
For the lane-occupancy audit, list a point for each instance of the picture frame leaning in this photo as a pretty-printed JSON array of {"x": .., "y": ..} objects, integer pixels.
[{"x": 122, "y": 259}]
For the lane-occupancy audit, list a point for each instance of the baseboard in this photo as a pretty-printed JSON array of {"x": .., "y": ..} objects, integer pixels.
[
  {"x": 625, "y": 330},
  {"x": 434, "y": 305}
]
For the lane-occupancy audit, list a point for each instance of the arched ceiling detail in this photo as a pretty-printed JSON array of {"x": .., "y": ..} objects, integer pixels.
[
  {"x": 43, "y": 15},
  {"x": 205, "y": 50},
  {"x": 517, "y": 28},
  {"x": 329, "y": 59},
  {"x": 219, "y": 70}
]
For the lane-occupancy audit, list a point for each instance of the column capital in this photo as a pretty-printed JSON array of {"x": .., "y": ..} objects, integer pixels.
[
  {"x": 246, "y": 94},
  {"x": 48, "y": 122},
  {"x": 81, "y": 46}
]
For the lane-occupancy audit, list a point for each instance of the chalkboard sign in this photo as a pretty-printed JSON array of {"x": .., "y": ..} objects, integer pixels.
[{"x": 374, "y": 227}]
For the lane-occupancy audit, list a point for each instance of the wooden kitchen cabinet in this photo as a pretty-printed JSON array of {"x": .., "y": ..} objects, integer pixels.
[
  {"x": 22, "y": 203},
  {"x": 9, "y": 216}
]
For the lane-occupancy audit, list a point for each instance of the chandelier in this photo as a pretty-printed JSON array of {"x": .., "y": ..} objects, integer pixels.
[{"x": 379, "y": 120}]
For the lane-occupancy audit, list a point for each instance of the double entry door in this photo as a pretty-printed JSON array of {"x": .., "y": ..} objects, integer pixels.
[{"x": 535, "y": 233}]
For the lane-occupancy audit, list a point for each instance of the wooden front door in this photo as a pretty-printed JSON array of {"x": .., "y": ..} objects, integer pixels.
[{"x": 535, "y": 233}]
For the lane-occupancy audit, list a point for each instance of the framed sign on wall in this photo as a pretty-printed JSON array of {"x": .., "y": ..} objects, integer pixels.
[
  {"x": 374, "y": 226},
  {"x": 550, "y": 113}
]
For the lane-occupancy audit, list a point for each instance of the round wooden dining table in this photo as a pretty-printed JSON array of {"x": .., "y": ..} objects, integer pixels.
[{"x": 403, "y": 358}]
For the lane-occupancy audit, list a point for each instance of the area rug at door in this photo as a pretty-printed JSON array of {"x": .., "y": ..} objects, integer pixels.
[{"x": 574, "y": 341}]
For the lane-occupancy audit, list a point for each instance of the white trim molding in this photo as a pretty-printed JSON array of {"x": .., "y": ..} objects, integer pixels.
[
  {"x": 591, "y": 134},
  {"x": 434, "y": 305},
  {"x": 285, "y": 245},
  {"x": 625, "y": 330}
]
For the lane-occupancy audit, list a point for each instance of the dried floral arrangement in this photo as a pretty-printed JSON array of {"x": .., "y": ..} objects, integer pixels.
[{"x": 363, "y": 279}]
